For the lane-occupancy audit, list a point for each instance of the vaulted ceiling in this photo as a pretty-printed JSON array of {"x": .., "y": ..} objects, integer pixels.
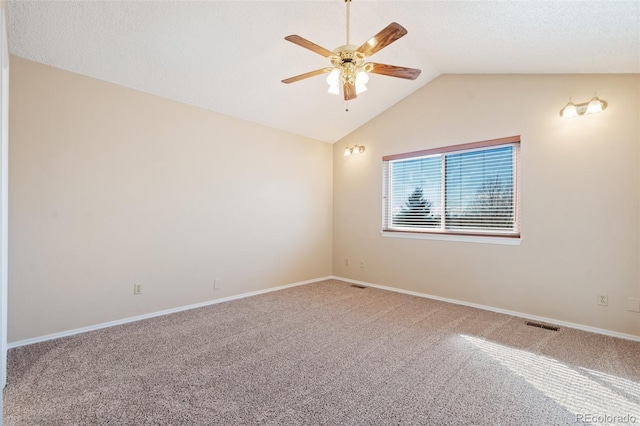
[{"x": 229, "y": 56}]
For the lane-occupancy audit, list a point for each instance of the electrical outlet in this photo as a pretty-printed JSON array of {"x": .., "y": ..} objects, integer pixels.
[
  {"x": 346, "y": 261},
  {"x": 633, "y": 304},
  {"x": 603, "y": 299},
  {"x": 137, "y": 289},
  {"x": 216, "y": 284},
  {"x": 362, "y": 263}
]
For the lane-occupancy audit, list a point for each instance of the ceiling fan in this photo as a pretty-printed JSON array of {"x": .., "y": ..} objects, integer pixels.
[{"x": 349, "y": 62}]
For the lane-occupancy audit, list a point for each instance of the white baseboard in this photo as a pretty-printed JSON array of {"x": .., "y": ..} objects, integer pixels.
[
  {"x": 497, "y": 310},
  {"x": 282, "y": 287},
  {"x": 156, "y": 314}
]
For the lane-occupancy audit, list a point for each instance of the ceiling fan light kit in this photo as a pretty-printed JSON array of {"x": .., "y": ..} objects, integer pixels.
[{"x": 350, "y": 69}]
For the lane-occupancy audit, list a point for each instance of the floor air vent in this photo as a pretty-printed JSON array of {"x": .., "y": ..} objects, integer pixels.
[
  {"x": 357, "y": 286},
  {"x": 546, "y": 327}
]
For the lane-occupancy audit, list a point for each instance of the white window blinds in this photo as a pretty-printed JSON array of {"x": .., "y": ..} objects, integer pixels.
[{"x": 464, "y": 189}]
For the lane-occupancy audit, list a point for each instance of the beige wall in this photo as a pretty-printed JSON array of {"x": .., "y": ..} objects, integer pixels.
[
  {"x": 580, "y": 197},
  {"x": 111, "y": 187}
]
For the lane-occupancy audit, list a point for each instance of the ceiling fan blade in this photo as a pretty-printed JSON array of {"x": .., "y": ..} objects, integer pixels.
[
  {"x": 349, "y": 91},
  {"x": 388, "y": 35},
  {"x": 296, "y": 39},
  {"x": 394, "y": 71},
  {"x": 306, "y": 75}
]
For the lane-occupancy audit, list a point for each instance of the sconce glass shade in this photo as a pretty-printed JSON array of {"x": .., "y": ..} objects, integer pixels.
[
  {"x": 347, "y": 151},
  {"x": 569, "y": 111},
  {"x": 594, "y": 106}
]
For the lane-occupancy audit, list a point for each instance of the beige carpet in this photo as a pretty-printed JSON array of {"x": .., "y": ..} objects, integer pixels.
[{"x": 326, "y": 354}]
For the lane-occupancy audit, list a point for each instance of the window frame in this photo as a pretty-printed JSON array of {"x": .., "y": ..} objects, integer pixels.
[{"x": 442, "y": 233}]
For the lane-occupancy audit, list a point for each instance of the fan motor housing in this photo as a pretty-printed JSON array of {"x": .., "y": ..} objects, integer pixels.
[{"x": 348, "y": 53}]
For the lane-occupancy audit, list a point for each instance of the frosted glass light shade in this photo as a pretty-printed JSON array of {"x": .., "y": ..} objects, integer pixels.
[
  {"x": 569, "y": 111},
  {"x": 594, "y": 106},
  {"x": 334, "y": 77},
  {"x": 362, "y": 78}
]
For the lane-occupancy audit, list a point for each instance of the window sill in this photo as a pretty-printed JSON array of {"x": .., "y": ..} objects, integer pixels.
[{"x": 510, "y": 241}]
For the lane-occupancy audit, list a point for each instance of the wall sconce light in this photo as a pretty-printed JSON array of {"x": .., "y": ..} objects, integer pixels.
[
  {"x": 574, "y": 110},
  {"x": 356, "y": 150}
]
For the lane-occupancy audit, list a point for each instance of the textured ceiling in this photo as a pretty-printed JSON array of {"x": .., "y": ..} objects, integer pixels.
[{"x": 229, "y": 56}]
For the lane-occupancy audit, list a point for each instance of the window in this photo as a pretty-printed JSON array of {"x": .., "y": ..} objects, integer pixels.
[{"x": 469, "y": 189}]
